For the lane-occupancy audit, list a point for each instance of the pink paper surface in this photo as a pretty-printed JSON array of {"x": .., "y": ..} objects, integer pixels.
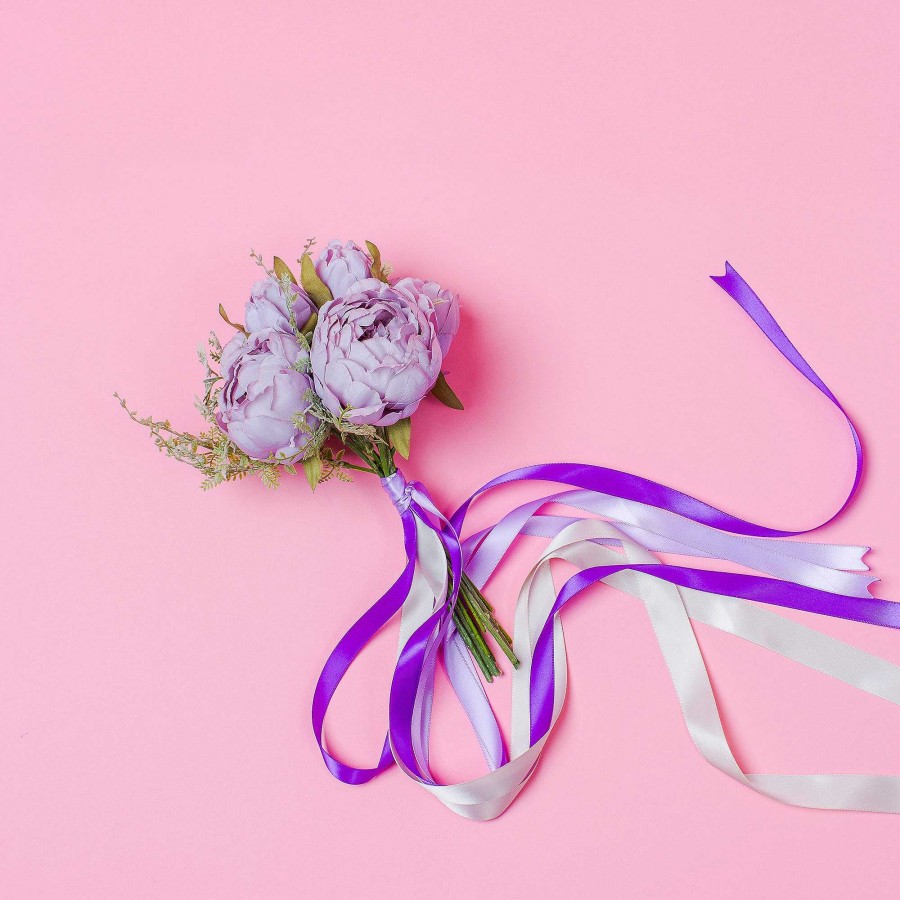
[{"x": 159, "y": 646}]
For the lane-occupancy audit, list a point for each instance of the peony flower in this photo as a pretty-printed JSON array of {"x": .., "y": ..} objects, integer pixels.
[
  {"x": 263, "y": 391},
  {"x": 267, "y": 307},
  {"x": 341, "y": 267},
  {"x": 441, "y": 304},
  {"x": 375, "y": 353}
]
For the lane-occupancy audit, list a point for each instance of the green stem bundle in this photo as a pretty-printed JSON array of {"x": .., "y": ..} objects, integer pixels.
[{"x": 472, "y": 614}]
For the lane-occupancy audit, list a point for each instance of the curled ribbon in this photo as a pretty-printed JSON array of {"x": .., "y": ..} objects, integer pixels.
[{"x": 640, "y": 517}]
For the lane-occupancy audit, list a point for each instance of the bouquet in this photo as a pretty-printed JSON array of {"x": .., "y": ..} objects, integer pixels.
[
  {"x": 336, "y": 361},
  {"x": 325, "y": 373}
]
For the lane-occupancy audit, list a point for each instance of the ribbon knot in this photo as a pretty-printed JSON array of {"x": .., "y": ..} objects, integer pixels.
[{"x": 399, "y": 491}]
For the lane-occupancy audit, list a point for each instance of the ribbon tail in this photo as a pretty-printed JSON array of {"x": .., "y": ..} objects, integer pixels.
[
  {"x": 348, "y": 649},
  {"x": 741, "y": 292}
]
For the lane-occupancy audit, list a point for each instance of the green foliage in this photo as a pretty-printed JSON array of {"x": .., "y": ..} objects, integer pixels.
[
  {"x": 212, "y": 453},
  {"x": 282, "y": 271},
  {"x": 313, "y": 468},
  {"x": 379, "y": 269},
  {"x": 400, "y": 435},
  {"x": 443, "y": 392},
  {"x": 234, "y": 325},
  {"x": 312, "y": 284}
]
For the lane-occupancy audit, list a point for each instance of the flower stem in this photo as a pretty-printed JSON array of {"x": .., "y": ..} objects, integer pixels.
[
  {"x": 472, "y": 614},
  {"x": 474, "y": 618},
  {"x": 386, "y": 454},
  {"x": 365, "y": 452},
  {"x": 477, "y": 647},
  {"x": 356, "y": 468},
  {"x": 462, "y": 615},
  {"x": 485, "y": 617}
]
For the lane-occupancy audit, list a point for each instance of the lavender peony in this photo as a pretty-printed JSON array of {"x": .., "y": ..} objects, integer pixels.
[
  {"x": 341, "y": 267},
  {"x": 267, "y": 307},
  {"x": 376, "y": 353},
  {"x": 262, "y": 393},
  {"x": 442, "y": 305}
]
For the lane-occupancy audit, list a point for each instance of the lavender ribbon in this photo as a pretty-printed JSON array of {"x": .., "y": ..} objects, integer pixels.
[{"x": 657, "y": 516}]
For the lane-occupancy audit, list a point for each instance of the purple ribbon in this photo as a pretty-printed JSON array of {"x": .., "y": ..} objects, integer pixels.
[
  {"x": 418, "y": 658},
  {"x": 870, "y": 610},
  {"x": 350, "y": 646},
  {"x": 643, "y": 490},
  {"x": 413, "y": 503}
]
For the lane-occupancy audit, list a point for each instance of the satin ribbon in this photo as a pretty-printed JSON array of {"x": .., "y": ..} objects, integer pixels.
[{"x": 643, "y": 516}]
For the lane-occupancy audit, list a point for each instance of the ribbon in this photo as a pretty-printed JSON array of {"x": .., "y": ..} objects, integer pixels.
[
  {"x": 421, "y": 593},
  {"x": 641, "y": 516}
]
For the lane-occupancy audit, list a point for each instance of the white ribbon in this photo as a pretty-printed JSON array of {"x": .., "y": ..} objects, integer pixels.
[{"x": 592, "y": 542}]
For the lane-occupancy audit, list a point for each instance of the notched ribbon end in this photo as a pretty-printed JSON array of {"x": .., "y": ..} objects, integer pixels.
[{"x": 730, "y": 272}]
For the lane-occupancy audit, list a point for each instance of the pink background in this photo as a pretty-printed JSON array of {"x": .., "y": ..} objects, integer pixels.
[{"x": 575, "y": 170}]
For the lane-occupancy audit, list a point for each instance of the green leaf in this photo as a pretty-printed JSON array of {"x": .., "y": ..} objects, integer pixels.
[
  {"x": 377, "y": 270},
  {"x": 400, "y": 434},
  {"x": 310, "y": 326},
  {"x": 312, "y": 468},
  {"x": 445, "y": 393},
  {"x": 281, "y": 270},
  {"x": 312, "y": 284},
  {"x": 269, "y": 476},
  {"x": 234, "y": 325}
]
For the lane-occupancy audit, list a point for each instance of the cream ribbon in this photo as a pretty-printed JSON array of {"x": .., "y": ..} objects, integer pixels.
[{"x": 591, "y": 542}]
